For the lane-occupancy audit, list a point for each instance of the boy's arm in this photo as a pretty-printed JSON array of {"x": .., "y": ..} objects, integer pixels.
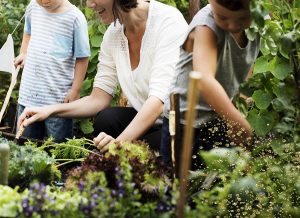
[
  {"x": 81, "y": 65},
  {"x": 205, "y": 61},
  {"x": 20, "y": 59}
]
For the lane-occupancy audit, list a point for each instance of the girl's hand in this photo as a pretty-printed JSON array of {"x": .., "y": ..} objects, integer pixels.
[
  {"x": 102, "y": 141},
  {"x": 240, "y": 136}
]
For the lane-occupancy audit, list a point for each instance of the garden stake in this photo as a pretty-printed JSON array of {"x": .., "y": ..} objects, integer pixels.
[
  {"x": 193, "y": 93},
  {"x": 7, "y": 57},
  {"x": 4, "y": 159},
  {"x": 173, "y": 123},
  {"x": 20, "y": 132}
]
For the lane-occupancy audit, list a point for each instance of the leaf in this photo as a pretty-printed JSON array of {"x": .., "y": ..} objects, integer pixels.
[
  {"x": 262, "y": 123},
  {"x": 285, "y": 47},
  {"x": 86, "y": 126},
  {"x": 96, "y": 40},
  {"x": 102, "y": 28},
  {"x": 261, "y": 65},
  {"x": 280, "y": 67},
  {"x": 218, "y": 158},
  {"x": 262, "y": 99},
  {"x": 285, "y": 93},
  {"x": 86, "y": 86}
]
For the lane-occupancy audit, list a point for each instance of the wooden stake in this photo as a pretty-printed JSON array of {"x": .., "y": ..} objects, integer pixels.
[
  {"x": 193, "y": 94},
  {"x": 174, "y": 122},
  {"x": 4, "y": 159}
]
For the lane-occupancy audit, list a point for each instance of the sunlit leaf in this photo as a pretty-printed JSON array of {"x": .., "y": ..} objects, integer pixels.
[{"x": 262, "y": 99}]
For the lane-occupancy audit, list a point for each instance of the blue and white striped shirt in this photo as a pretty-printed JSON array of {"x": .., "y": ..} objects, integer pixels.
[{"x": 56, "y": 40}]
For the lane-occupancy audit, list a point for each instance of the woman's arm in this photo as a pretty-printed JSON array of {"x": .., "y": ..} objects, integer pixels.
[
  {"x": 143, "y": 121},
  {"x": 83, "y": 107}
]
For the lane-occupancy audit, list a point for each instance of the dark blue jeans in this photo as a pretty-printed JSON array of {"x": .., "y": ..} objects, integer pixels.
[
  {"x": 59, "y": 128},
  {"x": 213, "y": 134}
]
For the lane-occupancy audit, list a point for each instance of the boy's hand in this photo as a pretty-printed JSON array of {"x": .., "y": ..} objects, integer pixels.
[
  {"x": 33, "y": 114},
  {"x": 20, "y": 60},
  {"x": 72, "y": 96}
]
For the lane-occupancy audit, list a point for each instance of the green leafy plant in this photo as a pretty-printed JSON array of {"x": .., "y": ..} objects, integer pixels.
[
  {"x": 274, "y": 87},
  {"x": 27, "y": 164}
]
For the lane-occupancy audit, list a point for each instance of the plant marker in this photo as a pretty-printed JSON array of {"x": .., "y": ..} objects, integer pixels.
[
  {"x": 193, "y": 94},
  {"x": 4, "y": 158},
  {"x": 174, "y": 118},
  {"x": 7, "y": 57}
]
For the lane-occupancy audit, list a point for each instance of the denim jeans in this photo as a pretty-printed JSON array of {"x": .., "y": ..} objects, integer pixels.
[{"x": 58, "y": 128}]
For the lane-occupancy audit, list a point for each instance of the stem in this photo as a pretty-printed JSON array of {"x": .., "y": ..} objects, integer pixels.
[
  {"x": 80, "y": 159},
  {"x": 71, "y": 161}
]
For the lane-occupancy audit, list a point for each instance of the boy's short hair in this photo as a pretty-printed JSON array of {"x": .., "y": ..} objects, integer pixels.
[{"x": 234, "y": 5}]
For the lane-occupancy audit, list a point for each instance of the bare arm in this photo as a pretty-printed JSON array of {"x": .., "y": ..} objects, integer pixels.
[
  {"x": 144, "y": 119},
  {"x": 20, "y": 59},
  {"x": 81, "y": 65},
  {"x": 205, "y": 61},
  {"x": 83, "y": 107}
]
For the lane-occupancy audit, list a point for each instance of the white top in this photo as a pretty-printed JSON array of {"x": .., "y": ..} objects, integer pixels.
[{"x": 164, "y": 33}]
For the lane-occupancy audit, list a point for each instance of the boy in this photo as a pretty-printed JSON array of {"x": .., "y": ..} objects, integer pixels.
[
  {"x": 217, "y": 46},
  {"x": 56, "y": 47}
]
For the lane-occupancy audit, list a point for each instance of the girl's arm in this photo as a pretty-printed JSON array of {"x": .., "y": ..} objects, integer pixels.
[{"x": 205, "y": 61}]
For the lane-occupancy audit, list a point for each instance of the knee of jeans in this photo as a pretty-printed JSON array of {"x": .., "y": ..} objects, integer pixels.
[{"x": 59, "y": 128}]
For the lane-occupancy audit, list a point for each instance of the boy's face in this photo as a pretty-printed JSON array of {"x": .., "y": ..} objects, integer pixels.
[
  {"x": 50, "y": 5},
  {"x": 103, "y": 8},
  {"x": 231, "y": 21}
]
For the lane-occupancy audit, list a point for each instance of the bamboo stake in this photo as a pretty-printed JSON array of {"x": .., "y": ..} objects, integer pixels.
[
  {"x": 173, "y": 122},
  {"x": 11, "y": 87},
  {"x": 4, "y": 159},
  {"x": 193, "y": 94}
]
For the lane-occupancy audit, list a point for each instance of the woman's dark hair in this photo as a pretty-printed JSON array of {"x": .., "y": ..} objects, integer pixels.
[
  {"x": 234, "y": 5},
  {"x": 124, "y": 6}
]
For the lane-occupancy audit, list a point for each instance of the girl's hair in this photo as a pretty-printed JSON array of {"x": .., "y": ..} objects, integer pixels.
[
  {"x": 234, "y": 5},
  {"x": 122, "y": 6}
]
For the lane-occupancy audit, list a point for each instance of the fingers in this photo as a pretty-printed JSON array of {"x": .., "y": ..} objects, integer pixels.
[
  {"x": 66, "y": 100},
  {"x": 28, "y": 116},
  {"x": 20, "y": 60},
  {"x": 102, "y": 141}
]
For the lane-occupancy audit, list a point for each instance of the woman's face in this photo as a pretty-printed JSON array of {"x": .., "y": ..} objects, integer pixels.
[
  {"x": 231, "y": 21},
  {"x": 103, "y": 8}
]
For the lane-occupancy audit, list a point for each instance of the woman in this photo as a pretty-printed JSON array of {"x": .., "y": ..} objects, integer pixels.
[{"x": 139, "y": 51}]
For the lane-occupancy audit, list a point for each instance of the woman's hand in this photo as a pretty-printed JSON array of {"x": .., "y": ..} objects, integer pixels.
[
  {"x": 102, "y": 141},
  {"x": 33, "y": 114}
]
